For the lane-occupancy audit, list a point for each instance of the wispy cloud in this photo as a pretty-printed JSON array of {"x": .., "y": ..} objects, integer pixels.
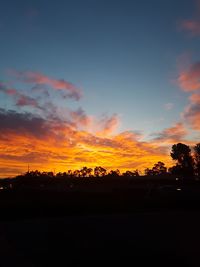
[
  {"x": 108, "y": 124},
  {"x": 57, "y": 84},
  {"x": 79, "y": 117},
  {"x": 189, "y": 79},
  {"x": 192, "y": 25},
  {"x": 27, "y": 101},
  {"x": 21, "y": 99},
  {"x": 191, "y": 113},
  {"x": 172, "y": 134},
  {"x": 9, "y": 91}
]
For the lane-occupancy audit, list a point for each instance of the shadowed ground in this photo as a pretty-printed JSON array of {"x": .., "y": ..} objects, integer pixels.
[
  {"x": 146, "y": 224},
  {"x": 143, "y": 225},
  {"x": 140, "y": 239}
]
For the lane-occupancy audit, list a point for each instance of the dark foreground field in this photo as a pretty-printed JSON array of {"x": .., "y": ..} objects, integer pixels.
[
  {"x": 139, "y": 239},
  {"x": 142, "y": 225}
]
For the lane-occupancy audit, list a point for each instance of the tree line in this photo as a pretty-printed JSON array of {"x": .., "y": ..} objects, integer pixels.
[{"x": 187, "y": 164}]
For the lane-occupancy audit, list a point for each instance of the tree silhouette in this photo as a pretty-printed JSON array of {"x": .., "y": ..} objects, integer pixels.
[
  {"x": 76, "y": 173},
  {"x": 131, "y": 173},
  {"x": 59, "y": 175},
  {"x": 159, "y": 168},
  {"x": 89, "y": 172},
  {"x": 99, "y": 171},
  {"x": 187, "y": 165},
  {"x": 182, "y": 154},
  {"x": 114, "y": 173},
  {"x": 197, "y": 159},
  {"x": 86, "y": 172},
  {"x": 70, "y": 173},
  {"x": 148, "y": 171}
]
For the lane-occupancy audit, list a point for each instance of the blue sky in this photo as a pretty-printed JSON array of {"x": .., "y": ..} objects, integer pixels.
[{"x": 122, "y": 53}]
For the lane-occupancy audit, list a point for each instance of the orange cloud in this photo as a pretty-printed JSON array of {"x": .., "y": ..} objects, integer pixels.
[
  {"x": 108, "y": 125},
  {"x": 189, "y": 80},
  {"x": 51, "y": 144},
  {"x": 171, "y": 135},
  {"x": 80, "y": 118},
  {"x": 57, "y": 84},
  {"x": 192, "y": 112},
  {"x": 195, "y": 98}
]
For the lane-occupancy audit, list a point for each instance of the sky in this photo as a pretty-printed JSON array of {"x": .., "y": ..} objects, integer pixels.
[{"x": 110, "y": 83}]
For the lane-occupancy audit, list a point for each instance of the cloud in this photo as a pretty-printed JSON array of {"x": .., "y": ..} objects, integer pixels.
[
  {"x": 27, "y": 101},
  {"x": 195, "y": 98},
  {"x": 8, "y": 91},
  {"x": 52, "y": 143},
  {"x": 191, "y": 113},
  {"x": 108, "y": 125},
  {"x": 173, "y": 134},
  {"x": 189, "y": 80},
  {"x": 11, "y": 171},
  {"x": 131, "y": 135},
  {"x": 21, "y": 99},
  {"x": 57, "y": 84},
  {"x": 39, "y": 88},
  {"x": 80, "y": 118},
  {"x": 12, "y": 121},
  {"x": 63, "y": 139},
  {"x": 192, "y": 26}
]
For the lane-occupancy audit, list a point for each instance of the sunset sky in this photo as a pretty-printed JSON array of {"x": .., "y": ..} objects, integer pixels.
[{"x": 111, "y": 83}]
